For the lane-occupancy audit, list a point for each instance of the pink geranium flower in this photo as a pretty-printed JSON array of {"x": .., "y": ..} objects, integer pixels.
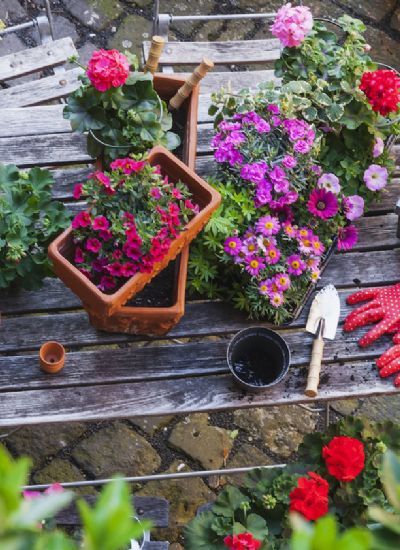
[
  {"x": 292, "y": 24},
  {"x": 108, "y": 69},
  {"x": 323, "y": 204}
]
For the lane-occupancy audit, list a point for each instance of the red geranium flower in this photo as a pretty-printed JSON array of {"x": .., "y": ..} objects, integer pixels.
[
  {"x": 108, "y": 69},
  {"x": 344, "y": 457},
  {"x": 310, "y": 497},
  {"x": 382, "y": 89},
  {"x": 244, "y": 541}
]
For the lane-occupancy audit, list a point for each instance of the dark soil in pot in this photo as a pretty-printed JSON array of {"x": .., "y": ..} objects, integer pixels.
[{"x": 159, "y": 292}]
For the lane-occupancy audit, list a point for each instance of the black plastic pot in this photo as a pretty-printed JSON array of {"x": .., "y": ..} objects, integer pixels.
[{"x": 258, "y": 358}]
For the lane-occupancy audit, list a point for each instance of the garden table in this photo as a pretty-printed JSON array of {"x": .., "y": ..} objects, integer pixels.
[{"x": 118, "y": 375}]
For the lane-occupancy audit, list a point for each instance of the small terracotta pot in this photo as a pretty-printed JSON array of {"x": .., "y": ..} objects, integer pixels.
[
  {"x": 149, "y": 321},
  {"x": 61, "y": 250},
  {"x": 52, "y": 357}
]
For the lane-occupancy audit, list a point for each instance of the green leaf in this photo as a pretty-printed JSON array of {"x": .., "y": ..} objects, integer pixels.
[
  {"x": 322, "y": 99},
  {"x": 335, "y": 112},
  {"x": 391, "y": 478},
  {"x": 257, "y": 526},
  {"x": 229, "y": 501},
  {"x": 310, "y": 113}
]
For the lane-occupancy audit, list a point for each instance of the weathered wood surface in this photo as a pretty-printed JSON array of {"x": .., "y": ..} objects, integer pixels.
[
  {"x": 234, "y": 80},
  {"x": 24, "y": 151},
  {"x": 222, "y": 53},
  {"x": 149, "y": 508},
  {"x": 33, "y": 121},
  {"x": 45, "y": 89},
  {"x": 156, "y": 545},
  {"x": 35, "y": 59}
]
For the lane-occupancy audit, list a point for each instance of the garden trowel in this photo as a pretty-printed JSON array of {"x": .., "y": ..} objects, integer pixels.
[{"x": 322, "y": 321}]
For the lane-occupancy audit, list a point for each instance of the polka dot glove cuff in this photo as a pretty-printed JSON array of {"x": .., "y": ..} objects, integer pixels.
[
  {"x": 389, "y": 362},
  {"x": 384, "y": 306}
]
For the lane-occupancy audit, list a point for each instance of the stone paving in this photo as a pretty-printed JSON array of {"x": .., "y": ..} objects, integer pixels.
[{"x": 170, "y": 444}]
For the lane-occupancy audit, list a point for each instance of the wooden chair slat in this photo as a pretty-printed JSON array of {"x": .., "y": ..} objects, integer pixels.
[
  {"x": 222, "y": 53},
  {"x": 186, "y": 395},
  {"x": 35, "y": 59},
  {"x": 236, "y": 80},
  {"x": 151, "y": 508},
  {"x": 47, "y": 149},
  {"x": 45, "y": 89},
  {"x": 156, "y": 545},
  {"x": 33, "y": 121}
]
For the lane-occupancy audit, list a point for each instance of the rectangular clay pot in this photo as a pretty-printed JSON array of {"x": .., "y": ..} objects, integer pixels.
[
  {"x": 149, "y": 321},
  {"x": 62, "y": 248}
]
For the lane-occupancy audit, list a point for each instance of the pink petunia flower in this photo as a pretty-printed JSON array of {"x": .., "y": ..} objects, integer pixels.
[
  {"x": 375, "y": 177},
  {"x": 330, "y": 182},
  {"x": 115, "y": 269},
  {"x": 353, "y": 207},
  {"x": 78, "y": 191},
  {"x": 347, "y": 237},
  {"x": 378, "y": 147},
  {"x": 100, "y": 222},
  {"x": 323, "y": 204},
  {"x": 81, "y": 220},
  {"x": 155, "y": 193},
  {"x": 106, "y": 283},
  {"x": 93, "y": 245},
  {"x": 79, "y": 257}
]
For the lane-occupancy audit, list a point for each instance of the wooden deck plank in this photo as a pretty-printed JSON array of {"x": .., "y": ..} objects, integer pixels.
[
  {"x": 236, "y": 80},
  {"x": 33, "y": 121},
  {"x": 35, "y": 59},
  {"x": 175, "y": 361},
  {"x": 45, "y": 89},
  {"x": 47, "y": 149},
  {"x": 183, "y": 396},
  {"x": 222, "y": 53}
]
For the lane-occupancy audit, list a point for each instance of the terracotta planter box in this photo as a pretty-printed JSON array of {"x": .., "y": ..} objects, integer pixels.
[
  {"x": 149, "y": 321},
  {"x": 62, "y": 248}
]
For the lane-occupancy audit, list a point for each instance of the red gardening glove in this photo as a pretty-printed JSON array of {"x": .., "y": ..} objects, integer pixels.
[
  {"x": 383, "y": 307},
  {"x": 389, "y": 362}
]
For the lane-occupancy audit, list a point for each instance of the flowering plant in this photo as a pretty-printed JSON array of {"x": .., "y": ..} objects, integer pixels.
[
  {"x": 340, "y": 473},
  {"x": 27, "y": 226},
  {"x": 134, "y": 213},
  {"x": 119, "y": 108}
]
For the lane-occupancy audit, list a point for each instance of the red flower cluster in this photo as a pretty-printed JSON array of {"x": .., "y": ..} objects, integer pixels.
[
  {"x": 244, "y": 541},
  {"x": 344, "y": 457},
  {"x": 310, "y": 497},
  {"x": 382, "y": 89},
  {"x": 108, "y": 69}
]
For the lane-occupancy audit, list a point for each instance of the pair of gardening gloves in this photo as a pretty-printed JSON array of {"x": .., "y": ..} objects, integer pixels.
[{"x": 384, "y": 306}]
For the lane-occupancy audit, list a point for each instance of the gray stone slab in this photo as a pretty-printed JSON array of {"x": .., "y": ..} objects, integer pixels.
[
  {"x": 130, "y": 35},
  {"x": 11, "y": 10},
  {"x": 95, "y": 14}
]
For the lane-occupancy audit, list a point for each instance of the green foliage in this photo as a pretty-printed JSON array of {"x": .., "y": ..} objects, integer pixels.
[
  {"x": 106, "y": 526},
  {"x": 29, "y": 221},
  {"x": 130, "y": 119}
]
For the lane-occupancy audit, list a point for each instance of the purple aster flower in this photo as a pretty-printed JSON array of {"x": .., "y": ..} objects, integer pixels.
[
  {"x": 268, "y": 225},
  {"x": 297, "y": 129},
  {"x": 254, "y": 172},
  {"x": 289, "y": 161},
  {"x": 323, "y": 204},
  {"x": 249, "y": 245},
  {"x": 378, "y": 148},
  {"x": 376, "y": 177},
  {"x": 263, "y": 288},
  {"x": 274, "y": 109},
  {"x": 317, "y": 246},
  {"x": 276, "y": 299},
  {"x": 272, "y": 255},
  {"x": 296, "y": 266},
  {"x": 301, "y": 146},
  {"x": 254, "y": 264},
  {"x": 282, "y": 281},
  {"x": 347, "y": 237},
  {"x": 232, "y": 246},
  {"x": 353, "y": 207},
  {"x": 329, "y": 182}
]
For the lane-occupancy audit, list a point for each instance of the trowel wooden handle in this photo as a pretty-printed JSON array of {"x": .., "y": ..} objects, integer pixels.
[
  {"x": 157, "y": 45},
  {"x": 315, "y": 368},
  {"x": 198, "y": 74}
]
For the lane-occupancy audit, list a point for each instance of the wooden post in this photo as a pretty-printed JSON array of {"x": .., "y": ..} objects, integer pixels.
[
  {"x": 198, "y": 74},
  {"x": 157, "y": 45}
]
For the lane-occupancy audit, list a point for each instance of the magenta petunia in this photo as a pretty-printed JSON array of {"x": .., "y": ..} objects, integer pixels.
[
  {"x": 296, "y": 266},
  {"x": 155, "y": 192},
  {"x": 81, "y": 220},
  {"x": 353, "y": 207},
  {"x": 100, "y": 222},
  {"x": 78, "y": 191},
  {"x": 93, "y": 245},
  {"x": 115, "y": 269},
  {"x": 232, "y": 246},
  {"x": 323, "y": 204},
  {"x": 347, "y": 237},
  {"x": 107, "y": 283},
  {"x": 254, "y": 264},
  {"x": 79, "y": 257},
  {"x": 375, "y": 177},
  {"x": 268, "y": 225}
]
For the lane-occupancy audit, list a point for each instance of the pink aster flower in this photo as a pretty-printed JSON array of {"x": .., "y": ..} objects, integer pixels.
[
  {"x": 296, "y": 266},
  {"x": 378, "y": 148},
  {"x": 304, "y": 232},
  {"x": 100, "y": 222},
  {"x": 315, "y": 275},
  {"x": 330, "y": 182},
  {"x": 347, "y": 237},
  {"x": 305, "y": 246},
  {"x": 268, "y": 225},
  {"x": 77, "y": 191},
  {"x": 323, "y": 204},
  {"x": 289, "y": 230},
  {"x": 81, "y": 220},
  {"x": 272, "y": 255},
  {"x": 263, "y": 288},
  {"x": 353, "y": 207},
  {"x": 249, "y": 246},
  {"x": 232, "y": 246},
  {"x": 276, "y": 299},
  {"x": 289, "y": 161},
  {"x": 375, "y": 177},
  {"x": 292, "y": 24},
  {"x": 254, "y": 264},
  {"x": 282, "y": 281},
  {"x": 313, "y": 263},
  {"x": 318, "y": 247},
  {"x": 93, "y": 245}
]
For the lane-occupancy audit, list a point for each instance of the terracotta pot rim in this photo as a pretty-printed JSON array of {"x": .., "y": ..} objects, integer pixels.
[{"x": 47, "y": 366}]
